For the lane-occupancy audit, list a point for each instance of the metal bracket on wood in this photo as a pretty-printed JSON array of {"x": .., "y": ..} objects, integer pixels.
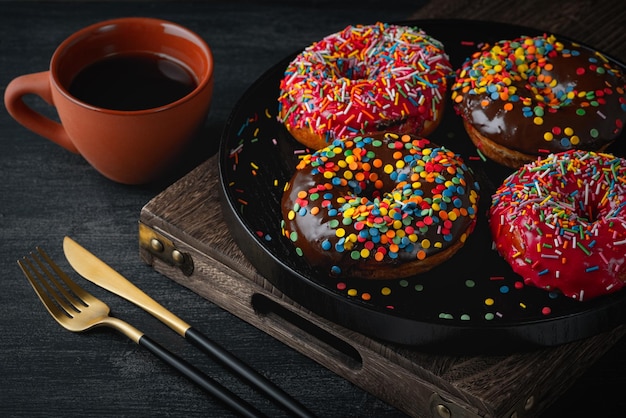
[{"x": 164, "y": 249}]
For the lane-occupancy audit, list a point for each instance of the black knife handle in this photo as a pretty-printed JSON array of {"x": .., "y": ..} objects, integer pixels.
[
  {"x": 254, "y": 378},
  {"x": 198, "y": 377}
]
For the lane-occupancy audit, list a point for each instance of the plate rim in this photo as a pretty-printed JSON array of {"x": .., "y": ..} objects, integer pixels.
[{"x": 541, "y": 332}]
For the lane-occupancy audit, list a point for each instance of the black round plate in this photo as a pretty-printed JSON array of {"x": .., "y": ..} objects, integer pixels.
[{"x": 473, "y": 300}]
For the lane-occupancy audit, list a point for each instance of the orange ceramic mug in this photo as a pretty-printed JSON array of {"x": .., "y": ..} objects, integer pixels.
[{"x": 127, "y": 140}]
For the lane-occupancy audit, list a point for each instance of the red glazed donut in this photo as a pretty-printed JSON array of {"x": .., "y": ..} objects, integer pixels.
[
  {"x": 380, "y": 207},
  {"x": 535, "y": 96},
  {"x": 560, "y": 222},
  {"x": 363, "y": 80}
]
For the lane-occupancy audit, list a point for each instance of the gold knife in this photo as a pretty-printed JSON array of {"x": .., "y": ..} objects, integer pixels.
[{"x": 98, "y": 272}]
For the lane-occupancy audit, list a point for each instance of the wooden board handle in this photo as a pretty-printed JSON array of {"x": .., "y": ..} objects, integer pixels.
[{"x": 312, "y": 335}]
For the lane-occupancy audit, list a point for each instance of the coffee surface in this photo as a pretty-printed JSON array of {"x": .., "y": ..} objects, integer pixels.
[{"x": 132, "y": 82}]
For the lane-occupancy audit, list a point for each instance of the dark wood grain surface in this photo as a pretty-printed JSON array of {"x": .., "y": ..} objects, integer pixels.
[{"x": 48, "y": 193}]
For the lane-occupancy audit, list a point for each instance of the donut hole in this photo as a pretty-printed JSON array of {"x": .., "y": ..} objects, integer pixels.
[
  {"x": 544, "y": 91},
  {"x": 369, "y": 192},
  {"x": 352, "y": 69},
  {"x": 371, "y": 184},
  {"x": 591, "y": 204},
  {"x": 588, "y": 214},
  {"x": 365, "y": 192}
]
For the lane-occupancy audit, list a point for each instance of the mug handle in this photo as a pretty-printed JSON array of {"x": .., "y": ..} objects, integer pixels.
[{"x": 38, "y": 84}]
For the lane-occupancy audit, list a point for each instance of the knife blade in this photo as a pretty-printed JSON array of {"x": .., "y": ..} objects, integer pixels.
[{"x": 98, "y": 272}]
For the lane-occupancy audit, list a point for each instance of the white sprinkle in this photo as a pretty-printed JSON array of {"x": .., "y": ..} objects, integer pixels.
[{"x": 537, "y": 188}]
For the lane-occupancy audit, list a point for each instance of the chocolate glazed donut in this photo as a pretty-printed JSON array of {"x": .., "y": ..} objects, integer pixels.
[
  {"x": 533, "y": 96},
  {"x": 379, "y": 207}
]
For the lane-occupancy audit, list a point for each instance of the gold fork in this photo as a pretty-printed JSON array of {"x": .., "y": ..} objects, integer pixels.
[{"x": 77, "y": 310}]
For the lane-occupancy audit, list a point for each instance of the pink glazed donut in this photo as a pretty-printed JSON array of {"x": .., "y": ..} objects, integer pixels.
[{"x": 362, "y": 81}]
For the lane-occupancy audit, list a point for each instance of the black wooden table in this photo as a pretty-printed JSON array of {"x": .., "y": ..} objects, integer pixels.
[{"x": 47, "y": 193}]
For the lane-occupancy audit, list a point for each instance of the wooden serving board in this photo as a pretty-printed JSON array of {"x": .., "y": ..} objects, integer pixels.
[{"x": 183, "y": 236}]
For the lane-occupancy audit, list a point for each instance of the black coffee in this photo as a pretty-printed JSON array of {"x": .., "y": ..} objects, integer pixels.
[{"x": 132, "y": 82}]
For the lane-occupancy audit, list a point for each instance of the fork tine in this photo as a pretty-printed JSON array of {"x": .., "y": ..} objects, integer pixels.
[
  {"x": 79, "y": 296},
  {"x": 71, "y": 304},
  {"x": 38, "y": 283}
]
